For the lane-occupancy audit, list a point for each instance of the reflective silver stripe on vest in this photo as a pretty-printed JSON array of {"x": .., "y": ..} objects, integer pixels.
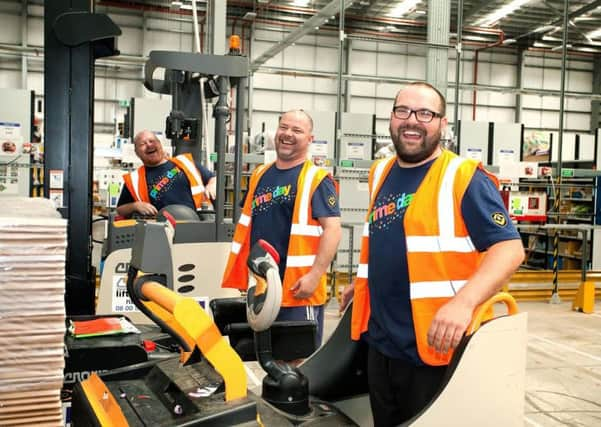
[
  {"x": 378, "y": 175},
  {"x": 439, "y": 244},
  {"x": 191, "y": 169},
  {"x": 244, "y": 220},
  {"x": 446, "y": 213},
  {"x": 135, "y": 181},
  {"x": 306, "y": 230},
  {"x": 362, "y": 271},
  {"x": 365, "y": 230},
  {"x": 446, "y": 242},
  {"x": 236, "y": 247},
  {"x": 305, "y": 193},
  {"x": 300, "y": 261},
  {"x": 438, "y": 289}
]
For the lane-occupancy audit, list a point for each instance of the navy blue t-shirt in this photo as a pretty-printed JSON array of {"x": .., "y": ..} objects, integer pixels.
[
  {"x": 167, "y": 185},
  {"x": 390, "y": 328},
  {"x": 273, "y": 205}
]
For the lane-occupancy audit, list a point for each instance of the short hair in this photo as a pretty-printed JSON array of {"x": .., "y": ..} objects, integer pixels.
[
  {"x": 302, "y": 113},
  {"x": 137, "y": 136},
  {"x": 441, "y": 98}
]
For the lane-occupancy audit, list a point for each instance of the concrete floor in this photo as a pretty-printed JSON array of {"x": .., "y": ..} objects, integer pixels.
[{"x": 563, "y": 373}]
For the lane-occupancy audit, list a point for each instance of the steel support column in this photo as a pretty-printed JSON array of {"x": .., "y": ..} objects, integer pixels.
[
  {"x": 339, "y": 87},
  {"x": 596, "y": 104},
  {"x": 347, "y": 82},
  {"x": 458, "y": 49},
  {"x": 439, "y": 22},
  {"x": 519, "y": 68},
  {"x": 216, "y": 28},
  {"x": 24, "y": 43},
  {"x": 564, "y": 51}
]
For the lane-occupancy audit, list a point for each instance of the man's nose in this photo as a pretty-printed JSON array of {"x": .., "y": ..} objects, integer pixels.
[{"x": 412, "y": 117}]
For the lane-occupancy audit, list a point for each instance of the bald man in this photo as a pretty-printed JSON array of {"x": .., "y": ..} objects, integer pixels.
[
  {"x": 163, "y": 181},
  {"x": 293, "y": 205}
]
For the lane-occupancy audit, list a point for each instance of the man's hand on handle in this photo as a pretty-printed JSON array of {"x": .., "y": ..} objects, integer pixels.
[
  {"x": 449, "y": 324},
  {"x": 211, "y": 188},
  {"x": 145, "y": 209}
]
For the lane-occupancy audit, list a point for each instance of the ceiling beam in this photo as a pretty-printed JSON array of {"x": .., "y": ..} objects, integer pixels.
[
  {"x": 475, "y": 10},
  {"x": 559, "y": 21},
  {"x": 329, "y": 10}
]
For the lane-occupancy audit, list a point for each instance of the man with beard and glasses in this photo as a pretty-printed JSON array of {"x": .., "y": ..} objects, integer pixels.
[
  {"x": 437, "y": 243},
  {"x": 163, "y": 181},
  {"x": 293, "y": 205}
]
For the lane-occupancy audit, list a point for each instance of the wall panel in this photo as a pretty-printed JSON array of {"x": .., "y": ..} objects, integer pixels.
[{"x": 319, "y": 52}]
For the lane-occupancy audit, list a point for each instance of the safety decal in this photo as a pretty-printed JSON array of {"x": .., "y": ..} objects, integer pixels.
[{"x": 499, "y": 219}]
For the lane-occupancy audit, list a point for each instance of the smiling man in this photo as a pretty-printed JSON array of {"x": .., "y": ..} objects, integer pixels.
[
  {"x": 163, "y": 181},
  {"x": 293, "y": 205},
  {"x": 437, "y": 244}
]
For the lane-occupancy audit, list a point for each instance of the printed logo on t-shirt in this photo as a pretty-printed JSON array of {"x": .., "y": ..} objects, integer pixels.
[
  {"x": 279, "y": 194},
  {"x": 389, "y": 210},
  {"x": 499, "y": 219},
  {"x": 164, "y": 183}
]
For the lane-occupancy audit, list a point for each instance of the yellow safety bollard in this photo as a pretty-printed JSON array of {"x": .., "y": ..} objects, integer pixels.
[{"x": 585, "y": 298}]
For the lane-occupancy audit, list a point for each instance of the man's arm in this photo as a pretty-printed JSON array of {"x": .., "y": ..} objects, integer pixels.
[
  {"x": 142, "y": 208},
  {"x": 209, "y": 181},
  {"x": 126, "y": 205},
  {"x": 211, "y": 188},
  {"x": 450, "y": 322},
  {"x": 328, "y": 245}
]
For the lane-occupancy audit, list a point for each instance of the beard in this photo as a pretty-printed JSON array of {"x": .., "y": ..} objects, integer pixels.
[{"x": 420, "y": 152}]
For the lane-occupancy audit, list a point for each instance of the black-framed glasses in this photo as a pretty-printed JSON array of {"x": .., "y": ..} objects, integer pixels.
[{"x": 422, "y": 115}]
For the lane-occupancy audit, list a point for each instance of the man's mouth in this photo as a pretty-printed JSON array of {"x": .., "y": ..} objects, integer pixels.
[{"x": 412, "y": 133}]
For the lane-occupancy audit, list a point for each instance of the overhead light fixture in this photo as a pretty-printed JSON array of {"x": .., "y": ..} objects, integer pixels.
[
  {"x": 594, "y": 34},
  {"x": 584, "y": 18},
  {"x": 403, "y": 8},
  {"x": 176, "y": 4},
  {"x": 509, "y": 41},
  {"x": 560, "y": 47},
  {"x": 249, "y": 16},
  {"x": 302, "y": 3},
  {"x": 549, "y": 38},
  {"x": 476, "y": 38},
  {"x": 500, "y": 13},
  {"x": 544, "y": 28}
]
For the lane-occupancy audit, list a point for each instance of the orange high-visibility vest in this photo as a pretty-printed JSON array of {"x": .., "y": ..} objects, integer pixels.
[
  {"x": 440, "y": 254},
  {"x": 305, "y": 232},
  {"x": 138, "y": 188}
]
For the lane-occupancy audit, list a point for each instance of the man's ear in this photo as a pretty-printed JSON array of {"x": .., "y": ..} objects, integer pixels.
[{"x": 444, "y": 122}]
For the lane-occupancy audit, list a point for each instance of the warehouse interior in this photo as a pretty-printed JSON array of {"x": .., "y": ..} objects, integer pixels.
[{"x": 80, "y": 79}]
